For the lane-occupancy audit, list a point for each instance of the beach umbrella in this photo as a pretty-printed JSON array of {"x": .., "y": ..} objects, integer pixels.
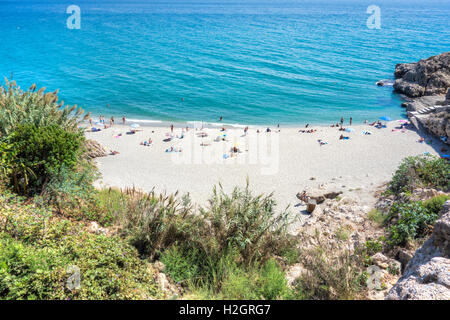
[
  {"x": 349, "y": 130},
  {"x": 135, "y": 125},
  {"x": 385, "y": 118}
]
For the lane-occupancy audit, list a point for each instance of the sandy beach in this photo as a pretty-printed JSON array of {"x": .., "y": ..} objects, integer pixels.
[{"x": 284, "y": 162}]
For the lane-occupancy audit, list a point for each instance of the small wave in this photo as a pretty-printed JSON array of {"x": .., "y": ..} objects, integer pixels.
[{"x": 144, "y": 121}]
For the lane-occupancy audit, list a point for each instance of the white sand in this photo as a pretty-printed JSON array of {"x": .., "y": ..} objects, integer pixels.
[{"x": 361, "y": 163}]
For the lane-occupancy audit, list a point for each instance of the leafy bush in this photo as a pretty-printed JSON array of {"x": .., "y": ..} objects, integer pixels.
[
  {"x": 412, "y": 220},
  {"x": 246, "y": 223},
  {"x": 153, "y": 223},
  {"x": 181, "y": 265},
  {"x": 421, "y": 171},
  {"x": 272, "y": 283},
  {"x": 239, "y": 232},
  {"x": 38, "y": 249},
  {"x": 265, "y": 282},
  {"x": 40, "y": 151},
  {"x": 436, "y": 204},
  {"x": 35, "y": 108}
]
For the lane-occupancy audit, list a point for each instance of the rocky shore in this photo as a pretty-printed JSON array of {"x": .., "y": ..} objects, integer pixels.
[{"x": 425, "y": 87}]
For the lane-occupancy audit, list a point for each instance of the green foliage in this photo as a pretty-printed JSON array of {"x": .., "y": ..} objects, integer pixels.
[
  {"x": 153, "y": 223},
  {"x": 378, "y": 217},
  {"x": 36, "y": 108},
  {"x": 372, "y": 247},
  {"x": 412, "y": 220},
  {"x": 42, "y": 151},
  {"x": 37, "y": 250},
  {"x": 421, "y": 171},
  {"x": 272, "y": 283},
  {"x": 256, "y": 282},
  {"x": 435, "y": 205},
  {"x": 209, "y": 249},
  {"x": 246, "y": 223},
  {"x": 181, "y": 265}
]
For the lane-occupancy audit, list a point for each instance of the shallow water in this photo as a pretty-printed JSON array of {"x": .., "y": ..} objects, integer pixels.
[{"x": 256, "y": 63}]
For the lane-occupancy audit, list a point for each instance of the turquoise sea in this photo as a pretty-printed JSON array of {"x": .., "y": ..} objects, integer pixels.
[{"x": 252, "y": 62}]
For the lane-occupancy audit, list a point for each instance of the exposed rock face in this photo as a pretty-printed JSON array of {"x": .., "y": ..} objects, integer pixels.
[
  {"x": 439, "y": 124},
  {"x": 427, "y": 274},
  {"x": 424, "y": 78},
  {"x": 426, "y": 84},
  {"x": 94, "y": 149}
]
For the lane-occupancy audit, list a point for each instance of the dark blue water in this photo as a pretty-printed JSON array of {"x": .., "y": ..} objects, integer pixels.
[{"x": 251, "y": 62}]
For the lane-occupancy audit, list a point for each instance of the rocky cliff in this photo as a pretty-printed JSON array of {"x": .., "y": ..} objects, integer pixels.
[
  {"x": 425, "y": 86},
  {"x": 427, "y": 77},
  {"x": 427, "y": 274}
]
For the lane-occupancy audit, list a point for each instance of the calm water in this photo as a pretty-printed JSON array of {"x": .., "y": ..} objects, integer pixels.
[{"x": 275, "y": 62}]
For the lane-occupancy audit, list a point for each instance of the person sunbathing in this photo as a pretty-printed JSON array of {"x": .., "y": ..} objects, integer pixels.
[{"x": 113, "y": 152}]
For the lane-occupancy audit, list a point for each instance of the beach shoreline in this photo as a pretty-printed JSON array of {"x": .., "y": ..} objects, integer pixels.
[{"x": 292, "y": 162}]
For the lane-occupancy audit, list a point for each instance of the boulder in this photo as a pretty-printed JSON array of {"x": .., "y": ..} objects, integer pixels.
[{"x": 426, "y": 77}]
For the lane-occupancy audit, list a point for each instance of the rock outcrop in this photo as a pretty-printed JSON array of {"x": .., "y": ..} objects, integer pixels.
[
  {"x": 427, "y": 274},
  {"x": 425, "y": 78},
  {"x": 93, "y": 150},
  {"x": 426, "y": 88},
  {"x": 438, "y": 124}
]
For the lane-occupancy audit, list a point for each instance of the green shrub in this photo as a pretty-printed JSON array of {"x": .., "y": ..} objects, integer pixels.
[
  {"x": 154, "y": 223},
  {"x": 36, "y": 108},
  {"x": 37, "y": 251},
  {"x": 182, "y": 265},
  {"x": 272, "y": 283},
  {"x": 435, "y": 205},
  {"x": 377, "y": 217},
  {"x": 257, "y": 282},
  {"x": 413, "y": 220},
  {"x": 372, "y": 247},
  {"x": 42, "y": 151},
  {"x": 246, "y": 223},
  {"x": 421, "y": 171}
]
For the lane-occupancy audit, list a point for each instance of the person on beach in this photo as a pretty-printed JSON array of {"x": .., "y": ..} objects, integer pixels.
[
  {"x": 171, "y": 128},
  {"x": 123, "y": 120},
  {"x": 351, "y": 120},
  {"x": 112, "y": 121},
  {"x": 268, "y": 130},
  {"x": 245, "y": 131},
  {"x": 342, "y": 121},
  {"x": 90, "y": 121},
  {"x": 307, "y": 125}
]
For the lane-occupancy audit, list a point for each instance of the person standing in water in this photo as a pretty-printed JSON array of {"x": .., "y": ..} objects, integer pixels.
[
  {"x": 342, "y": 121},
  {"x": 351, "y": 120},
  {"x": 123, "y": 120},
  {"x": 221, "y": 118}
]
